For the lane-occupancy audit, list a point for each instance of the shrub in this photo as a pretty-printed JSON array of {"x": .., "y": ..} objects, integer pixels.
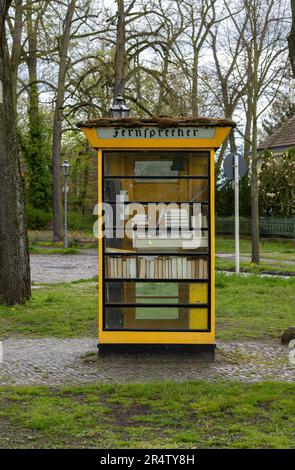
[
  {"x": 38, "y": 219},
  {"x": 77, "y": 221}
]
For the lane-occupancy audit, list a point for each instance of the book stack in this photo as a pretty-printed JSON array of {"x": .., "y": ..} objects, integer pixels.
[
  {"x": 156, "y": 267},
  {"x": 118, "y": 268}
]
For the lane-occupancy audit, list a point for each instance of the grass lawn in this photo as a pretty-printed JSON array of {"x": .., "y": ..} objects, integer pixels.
[
  {"x": 283, "y": 250},
  {"x": 60, "y": 310},
  {"x": 263, "y": 267},
  {"x": 54, "y": 251},
  {"x": 249, "y": 307},
  {"x": 151, "y": 415},
  {"x": 253, "y": 307},
  {"x": 157, "y": 415}
]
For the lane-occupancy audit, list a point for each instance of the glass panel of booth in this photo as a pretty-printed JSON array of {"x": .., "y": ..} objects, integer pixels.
[
  {"x": 156, "y": 225},
  {"x": 153, "y": 318},
  {"x": 156, "y": 292},
  {"x": 184, "y": 189},
  {"x": 155, "y": 163}
]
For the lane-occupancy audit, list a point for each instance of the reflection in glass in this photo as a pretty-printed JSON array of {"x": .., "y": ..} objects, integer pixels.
[
  {"x": 156, "y": 163},
  {"x": 156, "y": 318},
  {"x": 157, "y": 227},
  {"x": 156, "y": 292},
  {"x": 181, "y": 190}
]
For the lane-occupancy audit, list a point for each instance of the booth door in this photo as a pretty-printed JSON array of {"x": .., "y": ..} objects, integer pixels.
[{"x": 156, "y": 302}]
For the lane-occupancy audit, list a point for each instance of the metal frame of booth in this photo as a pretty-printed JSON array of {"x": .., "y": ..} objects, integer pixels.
[{"x": 112, "y": 339}]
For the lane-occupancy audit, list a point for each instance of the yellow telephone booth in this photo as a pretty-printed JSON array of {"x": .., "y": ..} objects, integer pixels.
[{"x": 156, "y": 232}]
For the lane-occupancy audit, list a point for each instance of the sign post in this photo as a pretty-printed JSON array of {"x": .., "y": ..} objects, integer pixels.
[
  {"x": 237, "y": 216},
  {"x": 235, "y": 168}
]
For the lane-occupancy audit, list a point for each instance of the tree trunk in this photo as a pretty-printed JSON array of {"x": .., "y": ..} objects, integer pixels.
[
  {"x": 291, "y": 39},
  {"x": 120, "y": 56},
  {"x": 254, "y": 90},
  {"x": 255, "y": 195},
  {"x": 57, "y": 123},
  {"x": 15, "y": 284},
  {"x": 32, "y": 65},
  {"x": 36, "y": 149},
  {"x": 16, "y": 45},
  {"x": 163, "y": 85},
  {"x": 195, "y": 84}
]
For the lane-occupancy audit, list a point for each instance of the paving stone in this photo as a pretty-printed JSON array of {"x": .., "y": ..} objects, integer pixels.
[
  {"x": 54, "y": 362},
  {"x": 63, "y": 268}
]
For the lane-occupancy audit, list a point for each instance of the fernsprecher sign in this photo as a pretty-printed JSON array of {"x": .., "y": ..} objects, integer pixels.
[{"x": 155, "y": 133}]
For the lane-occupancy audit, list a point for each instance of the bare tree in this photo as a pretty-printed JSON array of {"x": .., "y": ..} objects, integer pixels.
[
  {"x": 120, "y": 56},
  {"x": 225, "y": 41},
  {"x": 14, "y": 257},
  {"x": 16, "y": 48},
  {"x": 291, "y": 39},
  {"x": 262, "y": 64},
  {"x": 64, "y": 42}
]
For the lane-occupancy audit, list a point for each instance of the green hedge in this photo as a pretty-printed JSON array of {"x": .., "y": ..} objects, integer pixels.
[
  {"x": 38, "y": 219},
  {"x": 41, "y": 219}
]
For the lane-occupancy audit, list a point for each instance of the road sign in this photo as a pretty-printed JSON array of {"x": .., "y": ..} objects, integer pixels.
[{"x": 229, "y": 166}]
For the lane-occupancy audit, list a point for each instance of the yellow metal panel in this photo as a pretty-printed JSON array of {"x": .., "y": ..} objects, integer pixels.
[
  {"x": 152, "y": 337},
  {"x": 220, "y": 134},
  {"x": 198, "y": 293},
  {"x": 100, "y": 245},
  {"x": 199, "y": 322},
  {"x": 212, "y": 248}
]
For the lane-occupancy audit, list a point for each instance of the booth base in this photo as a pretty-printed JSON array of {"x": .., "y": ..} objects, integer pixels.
[{"x": 200, "y": 351}]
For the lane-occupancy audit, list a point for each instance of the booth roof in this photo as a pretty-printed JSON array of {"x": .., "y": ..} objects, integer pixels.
[{"x": 161, "y": 122}]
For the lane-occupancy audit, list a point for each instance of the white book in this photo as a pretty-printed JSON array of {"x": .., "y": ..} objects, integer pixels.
[
  {"x": 189, "y": 269},
  {"x": 152, "y": 269},
  {"x": 184, "y": 267},
  {"x": 120, "y": 267},
  {"x": 174, "y": 268},
  {"x": 147, "y": 268},
  {"x": 128, "y": 268},
  {"x": 141, "y": 268},
  {"x": 194, "y": 268},
  {"x": 197, "y": 269},
  {"x": 124, "y": 268},
  {"x": 168, "y": 268},
  {"x": 206, "y": 269},
  {"x": 133, "y": 268},
  {"x": 201, "y": 268},
  {"x": 161, "y": 268},
  {"x": 156, "y": 268},
  {"x": 110, "y": 267},
  {"x": 115, "y": 270},
  {"x": 179, "y": 268}
]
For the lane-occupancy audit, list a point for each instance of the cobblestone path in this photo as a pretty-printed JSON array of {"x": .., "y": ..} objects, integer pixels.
[
  {"x": 74, "y": 361},
  {"x": 63, "y": 268}
]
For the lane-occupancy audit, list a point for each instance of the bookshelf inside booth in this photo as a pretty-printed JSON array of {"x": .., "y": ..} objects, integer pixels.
[{"x": 155, "y": 276}]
